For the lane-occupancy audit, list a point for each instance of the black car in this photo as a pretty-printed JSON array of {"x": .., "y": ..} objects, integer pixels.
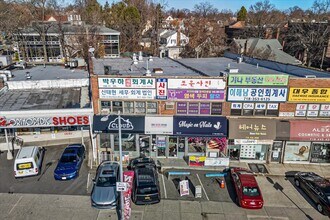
[
  {"x": 139, "y": 161},
  {"x": 317, "y": 188},
  {"x": 145, "y": 185}
]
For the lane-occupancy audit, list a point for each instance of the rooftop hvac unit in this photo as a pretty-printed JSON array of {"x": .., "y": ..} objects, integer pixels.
[
  {"x": 109, "y": 71},
  {"x": 239, "y": 59}
]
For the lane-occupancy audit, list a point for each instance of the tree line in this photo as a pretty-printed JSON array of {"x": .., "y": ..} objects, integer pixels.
[{"x": 303, "y": 33}]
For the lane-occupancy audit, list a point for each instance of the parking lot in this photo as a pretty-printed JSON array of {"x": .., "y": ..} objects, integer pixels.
[{"x": 44, "y": 183}]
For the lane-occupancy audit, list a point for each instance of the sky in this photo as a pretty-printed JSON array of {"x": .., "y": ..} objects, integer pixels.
[{"x": 233, "y": 5}]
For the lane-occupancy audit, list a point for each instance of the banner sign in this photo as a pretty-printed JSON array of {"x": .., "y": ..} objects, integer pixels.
[
  {"x": 161, "y": 87},
  {"x": 184, "y": 188},
  {"x": 207, "y": 126},
  {"x": 158, "y": 125},
  {"x": 257, "y": 80},
  {"x": 127, "y": 93},
  {"x": 128, "y": 178},
  {"x": 149, "y": 83},
  {"x": 309, "y": 130},
  {"x": 217, "y": 161},
  {"x": 196, "y": 84},
  {"x": 196, "y": 161},
  {"x": 179, "y": 94},
  {"x": 257, "y": 129},
  {"x": 44, "y": 121},
  {"x": 129, "y": 124},
  {"x": 309, "y": 95},
  {"x": 257, "y": 94}
]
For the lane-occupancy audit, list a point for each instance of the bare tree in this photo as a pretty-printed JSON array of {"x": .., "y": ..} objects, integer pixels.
[
  {"x": 205, "y": 9},
  {"x": 259, "y": 15}
]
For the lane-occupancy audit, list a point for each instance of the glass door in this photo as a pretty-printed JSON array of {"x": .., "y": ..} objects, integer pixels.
[
  {"x": 144, "y": 144},
  {"x": 161, "y": 146},
  {"x": 173, "y": 147}
]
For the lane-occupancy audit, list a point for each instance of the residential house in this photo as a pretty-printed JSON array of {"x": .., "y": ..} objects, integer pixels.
[
  {"x": 267, "y": 49},
  {"x": 172, "y": 43}
]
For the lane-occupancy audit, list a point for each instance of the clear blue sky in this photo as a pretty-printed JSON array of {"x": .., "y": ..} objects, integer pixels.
[{"x": 233, "y": 5}]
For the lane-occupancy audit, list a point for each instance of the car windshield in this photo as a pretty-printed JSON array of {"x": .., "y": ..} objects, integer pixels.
[
  {"x": 106, "y": 181},
  {"x": 147, "y": 190},
  {"x": 251, "y": 191},
  {"x": 68, "y": 159}
]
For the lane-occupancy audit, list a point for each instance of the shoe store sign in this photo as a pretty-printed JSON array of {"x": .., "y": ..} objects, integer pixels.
[{"x": 43, "y": 121}]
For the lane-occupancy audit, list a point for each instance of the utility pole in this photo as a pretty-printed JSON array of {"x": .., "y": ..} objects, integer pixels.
[
  {"x": 323, "y": 55},
  {"x": 121, "y": 168}
]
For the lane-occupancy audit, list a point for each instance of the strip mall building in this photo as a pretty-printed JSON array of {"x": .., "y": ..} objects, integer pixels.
[{"x": 263, "y": 116}]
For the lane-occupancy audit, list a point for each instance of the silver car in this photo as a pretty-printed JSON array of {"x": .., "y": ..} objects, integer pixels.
[{"x": 104, "y": 194}]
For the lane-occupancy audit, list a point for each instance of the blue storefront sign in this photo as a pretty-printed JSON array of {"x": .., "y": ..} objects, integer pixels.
[
  {"x": 109, "y": 124},
  {"x": 200, "y": 126}
]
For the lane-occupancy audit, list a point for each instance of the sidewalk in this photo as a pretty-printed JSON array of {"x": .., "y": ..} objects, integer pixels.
[{"x": 273, "y": 169}]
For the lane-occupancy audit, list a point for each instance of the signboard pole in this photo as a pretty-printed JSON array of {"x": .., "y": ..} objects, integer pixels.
[
  {"x": 9, "y": 154},
  {"x": 120, "y": 168}
]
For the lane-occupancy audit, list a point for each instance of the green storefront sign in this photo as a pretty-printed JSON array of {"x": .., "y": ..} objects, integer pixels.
[{"x": 257, "y": 79}]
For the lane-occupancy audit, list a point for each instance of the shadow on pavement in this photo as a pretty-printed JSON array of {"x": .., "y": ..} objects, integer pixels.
[{"x": 280, "y": 188}]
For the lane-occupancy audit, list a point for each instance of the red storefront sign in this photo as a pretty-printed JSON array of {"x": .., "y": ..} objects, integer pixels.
[
  {"x": 128, "y": 177},
  {"x": 310, "y": 130},
  {"x": 71, "y": 120}
]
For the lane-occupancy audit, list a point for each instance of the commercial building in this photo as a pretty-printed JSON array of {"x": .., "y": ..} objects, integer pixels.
[
  {"x": 44, "y": 103},
  {"x": 212, "y": 107}
]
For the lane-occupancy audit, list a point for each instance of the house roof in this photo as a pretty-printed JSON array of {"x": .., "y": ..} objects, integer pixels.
[
  {"x": 167, "y": 34},
  {"x": 56, "y": 18},
  {"x": 262, "y": 45},
  {"x": 238, "y": 24}
]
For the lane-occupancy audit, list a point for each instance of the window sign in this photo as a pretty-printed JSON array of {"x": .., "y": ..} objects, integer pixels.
[
  {"x": 216, "y": 108},
  {"x": 260, "y": 106},
  {"x": 182, "y": 108},
  {"x": 205, "y": 108},
  {"x": 301, "y": 107},
  {"x": 127, "y": 93},
  {"x": 236, "y": 105},
  {"x": 179, "y": 94},
  {"x": 314, "y": 107},
  {"x": 260, "y": 79},
  {"x": 272, "y": 106},
  {"x": 193, "y": 108},
  {"x": 309, "y": 95},
  {"x": 257, "y": 94},
  {"x": 248, "y": 105},
  {"x": 312, "y": 113}
]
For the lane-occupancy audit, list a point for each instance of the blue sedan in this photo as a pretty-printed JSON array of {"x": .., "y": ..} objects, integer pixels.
[{"x": 70, "y": 162}]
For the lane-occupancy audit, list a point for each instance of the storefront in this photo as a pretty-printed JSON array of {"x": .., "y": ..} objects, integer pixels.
[
  {"x": 132, "y": 128},
  {"x": 200, "y": 136},
  {"x": 309, "y": 142},
  {"x": 250, "y": 139}
]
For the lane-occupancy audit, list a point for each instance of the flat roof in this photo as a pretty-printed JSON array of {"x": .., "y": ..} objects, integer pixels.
[
  {"x": 49, "y": 72},
  {"x": 213, "y": 66},
  {"x": 126, "y": 67},
  {"x": 42, "y": 99}
]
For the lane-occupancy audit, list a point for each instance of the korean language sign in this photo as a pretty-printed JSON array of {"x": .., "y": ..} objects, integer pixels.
[
  {"x": 180, "y": 94},
  {"x": 196, "y": 84},
  {"x": 262, "y": 79},
  {"x": 309, "y": 94},
  {"x": 257, "y": 94},
  {"x": 127, "y": 93},
  {"x": 127, "y": 83}
]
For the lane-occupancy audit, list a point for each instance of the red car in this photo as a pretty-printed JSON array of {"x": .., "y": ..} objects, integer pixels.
[{"x": 247, "y": 189}]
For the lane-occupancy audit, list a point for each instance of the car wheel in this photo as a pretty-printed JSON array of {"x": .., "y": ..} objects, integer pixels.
[
  {"x": 319, "y": 208},
  {"x": 297, "y": 183},
  {"x": 237, "y": 201}
]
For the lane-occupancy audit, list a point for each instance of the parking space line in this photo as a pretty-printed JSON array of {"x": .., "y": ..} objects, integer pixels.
[
  {"x": 202, "y": 187},
  {"x": 20, "y": 198},
  {"x": 165, "y": 193},
  {"x": 88, "y": 181}
]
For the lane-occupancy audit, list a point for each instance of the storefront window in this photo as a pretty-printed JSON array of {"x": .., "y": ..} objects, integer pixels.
[
  {"x": 105, "y": 105},
  {"x": 161, "y": 146},
  {"x": 105, "y": 140},
  {"x": 140, "y": 107},
  {"x": 297, "y": 151},
  {"x": 197, "y": 145},
  {"x": 128, "y": 142},
  {"x": 144, "y": 142},
  {"x": 253, "y": 151},
  {"x": 320, "y": 152},
  {"x": 151, "y": 107},
  {"x": 129, "y": 107},
  {"x": 117, "y": 106},
  {"x": 181, "y": 144}
]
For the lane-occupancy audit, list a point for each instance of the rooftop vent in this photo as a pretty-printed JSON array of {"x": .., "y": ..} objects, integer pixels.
[
  {"x": 158, "y": 70},
  {"x": 310, "y": 76},
  {"x": 233, "y": 70},
  {"x": 140, "y": 56}
]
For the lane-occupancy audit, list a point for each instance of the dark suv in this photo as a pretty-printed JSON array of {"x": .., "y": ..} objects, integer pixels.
[
  {"x": 317, "y": 188},
  {"x": 145, "y": 185}
]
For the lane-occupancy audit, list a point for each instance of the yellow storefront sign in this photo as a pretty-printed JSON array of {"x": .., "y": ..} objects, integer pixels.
[{"x": 309, "y": 95}]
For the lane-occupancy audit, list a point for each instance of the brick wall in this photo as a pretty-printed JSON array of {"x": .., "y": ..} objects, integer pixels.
[{"x": 309, "y": 82}]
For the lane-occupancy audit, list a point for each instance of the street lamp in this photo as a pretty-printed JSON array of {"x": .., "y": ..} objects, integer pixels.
[{"x": 105, "y": 118}]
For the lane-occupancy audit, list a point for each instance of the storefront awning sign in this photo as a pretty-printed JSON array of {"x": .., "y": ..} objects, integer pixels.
[
  {"x": 256, "y": 129},
  {"x": 109, "y": 124},
  {"x": 203, "y": 126},
  {"x": 302, "y": 130}
]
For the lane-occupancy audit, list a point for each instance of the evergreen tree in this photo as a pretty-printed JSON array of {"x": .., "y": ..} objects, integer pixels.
[{"x": 242, "y": 14}]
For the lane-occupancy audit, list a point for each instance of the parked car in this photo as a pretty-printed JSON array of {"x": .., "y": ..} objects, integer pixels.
[
  {"x": 145, "y": 184},
  {"x": 140, "y": 161},
  {"x": 104, "y": 194},
  {"x": 28, "y": 161},
  {"x": 317, "y": 188},
  {"x": 248, "y": 192},
  {"x": 70, "y": 162}
]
